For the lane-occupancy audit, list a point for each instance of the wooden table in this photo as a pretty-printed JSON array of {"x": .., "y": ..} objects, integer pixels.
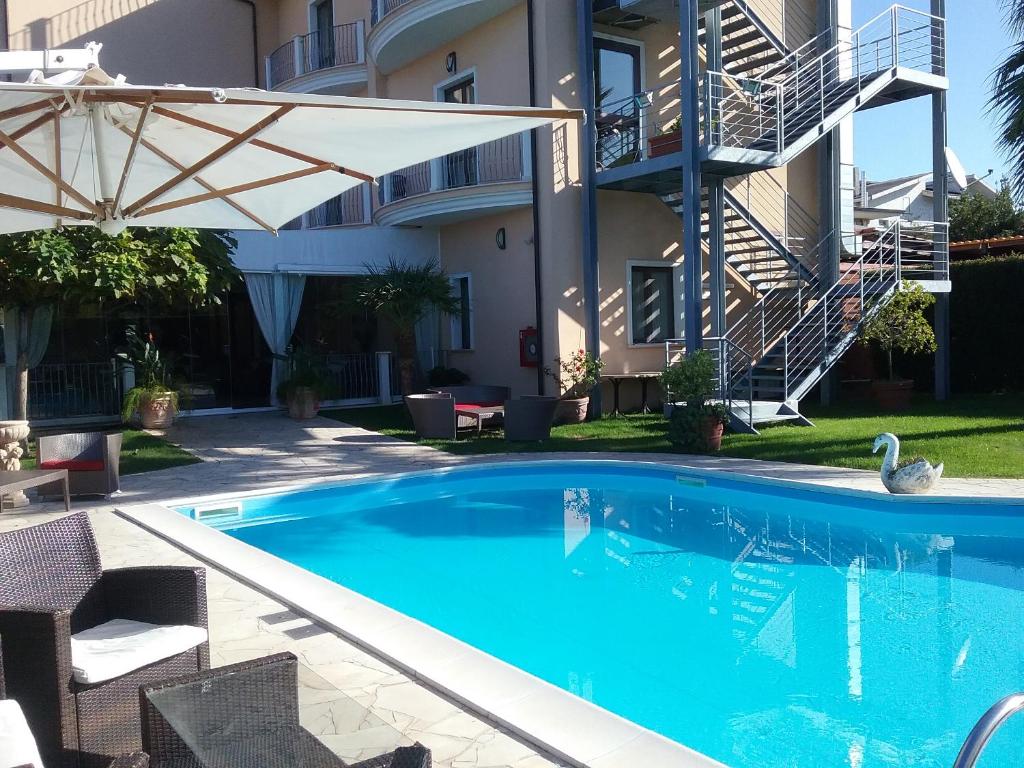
[
  {"x": 23, "y": 479},
  {"x": 644, "y": 377},
  {"x": 479, "y": 414}
]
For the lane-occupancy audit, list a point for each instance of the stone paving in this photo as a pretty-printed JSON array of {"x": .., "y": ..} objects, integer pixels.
[{"x": 246, "y": 452}]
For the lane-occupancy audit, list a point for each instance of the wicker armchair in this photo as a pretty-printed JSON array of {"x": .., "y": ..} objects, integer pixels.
[
  {"x": 433, "y": 416},
  {"x": 92, "y": 460},
  {"x": 51, "y": 586},
  {"x": 529, "y": 418},
  {"x": 247, "y": 714}
]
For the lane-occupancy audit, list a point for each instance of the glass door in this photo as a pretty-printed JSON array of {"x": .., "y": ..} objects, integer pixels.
[
  {"x": 323, "y": 47},
  {"x": 460, "y": 167},
  {"x": 616, "y": 84}
]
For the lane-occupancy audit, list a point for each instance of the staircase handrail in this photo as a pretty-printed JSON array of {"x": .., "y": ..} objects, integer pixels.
[
  {"x": 827, "y": 65},
  {"x": 727, "y": 377}
]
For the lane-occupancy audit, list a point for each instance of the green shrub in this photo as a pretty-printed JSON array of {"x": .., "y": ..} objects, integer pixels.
[
  {"x": 692, "y": 382},
  {"x": 987, "y": 324}
]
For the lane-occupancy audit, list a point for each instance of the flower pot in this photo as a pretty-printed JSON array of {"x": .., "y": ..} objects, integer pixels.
[
  {"x": 893, "y": 395},
  {"x": 303, "y": 403},
  {"x": 665, "y": 144},
  {"x": 712, "y": 429},
  {"x": 157, "y": 412},
  {"x": 572, "y": 410}
]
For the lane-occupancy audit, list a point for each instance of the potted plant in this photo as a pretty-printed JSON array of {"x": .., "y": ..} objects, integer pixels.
[
  {"x": 305, "y": 387},
  {"x": 900, "y": 324},
  {"x": 151, "y": 399},
  {"x": 668, "y": 141},
  {"x": 576, "y": 376},
  {"x": 695, "y": 424}
]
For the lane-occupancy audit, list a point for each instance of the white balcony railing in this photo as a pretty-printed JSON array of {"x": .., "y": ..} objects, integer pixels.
[
  {"x": 503, "y": 160},
  {"x": 313, "y": 52}
]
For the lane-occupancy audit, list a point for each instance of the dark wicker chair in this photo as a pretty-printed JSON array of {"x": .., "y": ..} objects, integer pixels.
[
  {"x": 92, "y": 460},
  {"x": 433, "y": 415},
  {"x": 529, "y": 418},
  {"x": 247, "y": 715},
  {"x": 51, "y": 586}
]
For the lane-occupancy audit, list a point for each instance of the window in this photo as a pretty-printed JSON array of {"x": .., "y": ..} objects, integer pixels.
[
  {"x": 652, "y": 306},
  {"x": 462, "y": 324},
  {"x": 322, "y": 48}
]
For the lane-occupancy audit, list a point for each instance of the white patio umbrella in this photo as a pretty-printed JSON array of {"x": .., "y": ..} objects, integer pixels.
[{"x": 82, "y": 148}]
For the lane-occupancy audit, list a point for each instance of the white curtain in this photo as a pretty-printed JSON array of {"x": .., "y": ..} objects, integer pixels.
[{"x": 276, "y": 299}]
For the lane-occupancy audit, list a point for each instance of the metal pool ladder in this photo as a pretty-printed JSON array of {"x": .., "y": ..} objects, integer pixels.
[{"x": 986, "y": 728}]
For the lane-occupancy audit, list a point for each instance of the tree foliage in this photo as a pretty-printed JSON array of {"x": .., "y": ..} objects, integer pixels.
[
  {"x": 82, "y": 263},
  {"x": 1006, "y": 101},
  {"x": 901, "y": 324},
  {"x": 973, "y": 216},
  {"x": 404, "y": 293}
]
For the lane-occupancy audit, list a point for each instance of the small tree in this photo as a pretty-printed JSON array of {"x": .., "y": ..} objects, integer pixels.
[
  {"x": 973, "y": 216},
  {"x": 901, "y": 324},
  {"x": 49, "y": 267},
  {"x": 404, "y": 294},
  {"x": 693, "y": 381}
]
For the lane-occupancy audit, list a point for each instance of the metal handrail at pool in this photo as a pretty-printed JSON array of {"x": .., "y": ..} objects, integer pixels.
[{"x": 986, "y": 728}]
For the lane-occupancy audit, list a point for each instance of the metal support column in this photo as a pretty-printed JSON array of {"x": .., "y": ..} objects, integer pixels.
[
  {"x": 828, "y": 193},
  {"x": 693, "y": 289},
  {"x": 940, "y": 212},
  {"x": 588, "y": 153},
  {"x": 716, "y": 188}
]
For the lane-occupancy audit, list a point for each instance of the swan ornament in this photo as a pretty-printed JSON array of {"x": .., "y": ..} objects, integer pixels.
[{"x": 917, "y": 476}]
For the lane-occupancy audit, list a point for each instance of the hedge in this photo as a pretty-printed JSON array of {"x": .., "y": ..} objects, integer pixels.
[{"x": 987, "y": 324}]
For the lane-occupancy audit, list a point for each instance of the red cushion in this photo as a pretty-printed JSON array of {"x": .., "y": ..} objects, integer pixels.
[
  {"x": 74, "y": 465},
  {"x": 494, "y": 404}
]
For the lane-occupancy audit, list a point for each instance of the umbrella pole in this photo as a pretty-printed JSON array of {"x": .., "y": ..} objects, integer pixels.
[{"x": 102, "y": 168}]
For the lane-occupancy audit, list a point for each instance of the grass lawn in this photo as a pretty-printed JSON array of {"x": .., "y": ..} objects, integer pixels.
[
  {"x": 140, "y": 452},
  {"x": 977, "y": 436}
]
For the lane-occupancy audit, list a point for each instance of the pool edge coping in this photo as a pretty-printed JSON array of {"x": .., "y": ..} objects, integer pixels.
[{"x": 547, "y": 718}]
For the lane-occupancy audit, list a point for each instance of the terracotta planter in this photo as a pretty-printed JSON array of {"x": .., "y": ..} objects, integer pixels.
[
  {"x": 712, "y": 430},
  {"x": 303, "y": 403},
  {"x": 893, "y": 395},
  {"x": 572, "y": 410},
  {"x": 665, "y": 144},
  {"x": 158, "y": 411}
]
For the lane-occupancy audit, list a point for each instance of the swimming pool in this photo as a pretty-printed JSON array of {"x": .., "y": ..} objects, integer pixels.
[{"x": 761, "y": 625}]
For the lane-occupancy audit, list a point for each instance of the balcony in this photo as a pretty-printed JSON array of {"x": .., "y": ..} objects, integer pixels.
[
  {"x": 404, "y": 30},
  {"x": 479, "y": 181},
  {"x": 314, "y": 63},
  {"x": 351, "y": 207}
]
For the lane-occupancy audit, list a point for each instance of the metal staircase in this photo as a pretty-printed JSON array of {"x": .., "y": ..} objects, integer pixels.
[
  {"x": 769, "y": 103},
  {"x": 766, "y": 121},
  {"x": 783, "y": 345}
]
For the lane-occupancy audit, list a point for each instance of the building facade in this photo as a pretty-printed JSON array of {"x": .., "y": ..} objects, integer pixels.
[{"x": 707, "y": 200}]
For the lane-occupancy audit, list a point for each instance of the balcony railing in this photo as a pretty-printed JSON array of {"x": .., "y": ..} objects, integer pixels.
[
  {"x": 315, "y": 51},
  {"x": 381, "y": 8},
  {"x": 490, "y": 163},
  {"x": 350, "y": 207}
]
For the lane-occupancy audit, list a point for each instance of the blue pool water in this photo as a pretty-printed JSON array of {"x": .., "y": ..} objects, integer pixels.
[{"x": 766, "y": 627}]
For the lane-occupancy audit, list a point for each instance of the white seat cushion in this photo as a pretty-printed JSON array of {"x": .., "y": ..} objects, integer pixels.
[
  {"x": 121, "y": 646},
  {"x": 17, "y": 747}
]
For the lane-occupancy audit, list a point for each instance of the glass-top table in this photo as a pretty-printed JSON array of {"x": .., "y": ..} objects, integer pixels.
[{"x": 267, "y": 713}]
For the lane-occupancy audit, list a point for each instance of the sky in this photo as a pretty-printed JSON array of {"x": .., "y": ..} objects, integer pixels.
[{"x": 895, "y": 140}]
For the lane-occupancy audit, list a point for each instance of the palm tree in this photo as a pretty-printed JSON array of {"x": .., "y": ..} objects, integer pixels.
[
  {"x": 404, "y": 294},
  {"x": 1007, "y": 99}
]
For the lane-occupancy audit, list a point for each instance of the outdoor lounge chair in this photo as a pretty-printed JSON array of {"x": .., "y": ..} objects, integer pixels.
[
  {"x": 247, "y": 714},
  {"x": 433, "y": 415},
  {"x": 469, "y": 396},
  {"x": 92, "y": 460},
  {"x": 529, "y": 418},
  {"x": 59, "y": 613}
]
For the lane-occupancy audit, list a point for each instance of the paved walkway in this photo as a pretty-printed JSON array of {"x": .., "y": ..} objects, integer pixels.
[{"x": 244, "y": 452}]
